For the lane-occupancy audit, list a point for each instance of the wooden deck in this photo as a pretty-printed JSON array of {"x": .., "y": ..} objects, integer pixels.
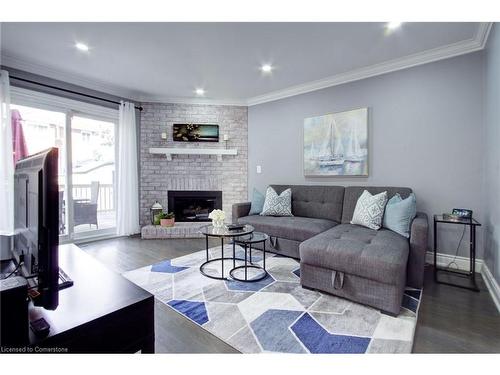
[{"x": 105, "y": 219}]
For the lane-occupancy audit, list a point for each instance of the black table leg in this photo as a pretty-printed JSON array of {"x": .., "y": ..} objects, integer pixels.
[
  {"x": 222, "y": 256},
  {"x": 473, "y": 254},
  {"x": 435, "y": 251},
  {"x": 246, "y": 268},
  {"x": 206, "y": 244},
  {"x": 264, "y": 256},
  {"x": 234, "y": 254}
]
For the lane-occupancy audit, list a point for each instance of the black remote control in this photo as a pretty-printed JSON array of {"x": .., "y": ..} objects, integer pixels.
[
  {"x": 40, "y": 327},
  {"x": 235, "y": 226}
]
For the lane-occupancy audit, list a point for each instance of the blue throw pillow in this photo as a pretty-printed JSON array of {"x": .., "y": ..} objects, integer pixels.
[
  {"x": 399, "y": 214},
  {"x": 257, "y": 202}
]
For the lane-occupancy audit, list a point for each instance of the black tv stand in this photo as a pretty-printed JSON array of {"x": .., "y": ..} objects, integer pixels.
[
  {"x": 101, "y": 313},
  {"x": 64, "y": 280}
]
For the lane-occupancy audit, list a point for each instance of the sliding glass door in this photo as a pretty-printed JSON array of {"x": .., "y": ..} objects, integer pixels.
[
  {"x": 93, "y": 175},
  {"x": 87, "y": 146},
  {"x": 39, "y": 129}
]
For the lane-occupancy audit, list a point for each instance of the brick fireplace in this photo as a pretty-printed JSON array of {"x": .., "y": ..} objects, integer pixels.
[{"x": 159, "y": 176}]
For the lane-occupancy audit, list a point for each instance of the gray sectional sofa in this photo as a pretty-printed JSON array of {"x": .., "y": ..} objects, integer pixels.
[{"x": 350, "y": 261}]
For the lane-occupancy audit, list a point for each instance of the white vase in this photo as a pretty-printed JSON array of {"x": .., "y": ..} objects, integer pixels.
[{"x": 218, "y": 223}]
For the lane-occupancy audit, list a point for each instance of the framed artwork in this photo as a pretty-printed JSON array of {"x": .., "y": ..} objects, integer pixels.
[
  {"x": 196, "y": 133},
  {"x": 336, "y": 144}
]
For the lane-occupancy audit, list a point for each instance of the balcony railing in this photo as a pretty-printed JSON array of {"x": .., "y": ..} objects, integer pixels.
[{"x": 106, "y": 200}]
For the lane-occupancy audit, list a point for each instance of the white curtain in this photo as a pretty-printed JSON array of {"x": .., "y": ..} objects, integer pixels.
[
  {"x": 6, "y": 158},
  {"x": 127, "y": 178}
]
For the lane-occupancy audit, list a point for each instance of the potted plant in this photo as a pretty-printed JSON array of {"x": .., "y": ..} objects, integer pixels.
[{"x": 167, "y": 219}]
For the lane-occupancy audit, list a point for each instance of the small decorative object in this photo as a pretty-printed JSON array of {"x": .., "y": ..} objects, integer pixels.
[
  {"x": 217, "y": 217},
  {"x": 155, "y": 210},
  {"x": 196, "y": 133},
  {"x": 463, "y": 213},
  {"x": 336, "y": 144},
  {"x": 451, "y": 217},
  {"x": 167, "y": 219},
  {"x": 226, "y": 138}
]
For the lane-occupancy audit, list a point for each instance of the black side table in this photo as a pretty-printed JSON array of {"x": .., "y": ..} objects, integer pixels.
[
  {"x": 247, "y": 242},
  {"x": 224, "y": 232},
  {"x": 471, "y": 274}
]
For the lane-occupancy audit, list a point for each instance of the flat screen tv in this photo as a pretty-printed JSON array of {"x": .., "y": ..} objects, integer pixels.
[
  {"x": 196, "y": 133},
  {"x": 36, "y": 218}
]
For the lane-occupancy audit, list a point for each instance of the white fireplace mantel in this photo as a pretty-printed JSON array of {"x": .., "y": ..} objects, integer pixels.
[{"x": 169, "y": 151}]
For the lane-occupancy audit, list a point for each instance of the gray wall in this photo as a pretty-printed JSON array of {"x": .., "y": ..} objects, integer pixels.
[
  {"x": 426, "y": 132},
  {"x": 492, "y": 150}
]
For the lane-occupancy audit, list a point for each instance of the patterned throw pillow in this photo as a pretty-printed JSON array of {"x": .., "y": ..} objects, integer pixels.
[
  {"x": 277, "y": 205},
  {"x": 370, "y": 210}
]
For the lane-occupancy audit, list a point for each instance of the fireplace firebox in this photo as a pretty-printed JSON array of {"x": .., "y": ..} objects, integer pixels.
[{"x": 193, "y": 206}]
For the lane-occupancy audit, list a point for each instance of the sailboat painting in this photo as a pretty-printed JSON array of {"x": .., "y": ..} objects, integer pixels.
[{"x": 336, "y": 144}]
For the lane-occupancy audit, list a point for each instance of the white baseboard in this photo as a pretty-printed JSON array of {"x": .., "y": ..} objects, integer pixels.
[
  {"x": 492, "y": 285},
  {"x": 463, "y": 264}
]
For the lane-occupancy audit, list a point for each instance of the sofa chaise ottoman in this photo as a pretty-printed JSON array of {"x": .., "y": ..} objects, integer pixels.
[{"x": 350, "y": 261}]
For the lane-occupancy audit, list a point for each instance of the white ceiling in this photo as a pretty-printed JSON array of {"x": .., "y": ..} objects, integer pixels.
[{"x": 167, "y": 61}]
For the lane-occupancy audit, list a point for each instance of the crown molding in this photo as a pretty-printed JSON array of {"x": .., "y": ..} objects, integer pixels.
[
  {"x": 435, "y": 54},
  {"x": 483, "y": 32},
  {"x": 75, "y": 79}
]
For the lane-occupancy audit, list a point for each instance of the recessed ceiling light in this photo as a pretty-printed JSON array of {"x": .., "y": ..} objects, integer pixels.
[
  {"x": 82, "y": 46},
  {"x": 200, "y": 92},
  {"x": 393, "y": 25},
  {"x": 266, "y": 68}
]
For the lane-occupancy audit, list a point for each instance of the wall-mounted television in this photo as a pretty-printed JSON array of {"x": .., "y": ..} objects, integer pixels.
[{"x": 196, "y": 133}]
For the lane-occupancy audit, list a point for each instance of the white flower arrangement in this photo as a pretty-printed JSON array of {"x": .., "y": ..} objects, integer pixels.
[{"x": 217, "y": 215}]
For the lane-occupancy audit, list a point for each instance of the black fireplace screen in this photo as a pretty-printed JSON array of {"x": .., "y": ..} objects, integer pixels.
[{"x": 193, "y": 205}]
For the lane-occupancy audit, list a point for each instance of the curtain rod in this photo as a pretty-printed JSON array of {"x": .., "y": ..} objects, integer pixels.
[{"x": 70, "y": 91}]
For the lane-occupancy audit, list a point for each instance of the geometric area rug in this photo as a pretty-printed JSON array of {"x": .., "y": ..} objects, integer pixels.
[{"x": 275, "y": 314}]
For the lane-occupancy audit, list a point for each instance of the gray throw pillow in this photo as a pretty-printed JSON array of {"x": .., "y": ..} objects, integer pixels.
[
  {"x": 370, "y": 210},
  {"x": 277, "y": 205}
]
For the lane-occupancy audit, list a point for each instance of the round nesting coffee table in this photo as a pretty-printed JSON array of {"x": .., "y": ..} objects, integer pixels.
[
  {"x": 247, "y": 242},
  {"x": 224, "y": 232}
]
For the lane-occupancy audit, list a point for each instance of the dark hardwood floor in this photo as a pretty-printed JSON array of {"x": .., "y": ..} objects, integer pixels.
[
  {"x": 174, "y": 333},
  {"x": 456, "y": 320},
  {"x": 451, "y": 320}
]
